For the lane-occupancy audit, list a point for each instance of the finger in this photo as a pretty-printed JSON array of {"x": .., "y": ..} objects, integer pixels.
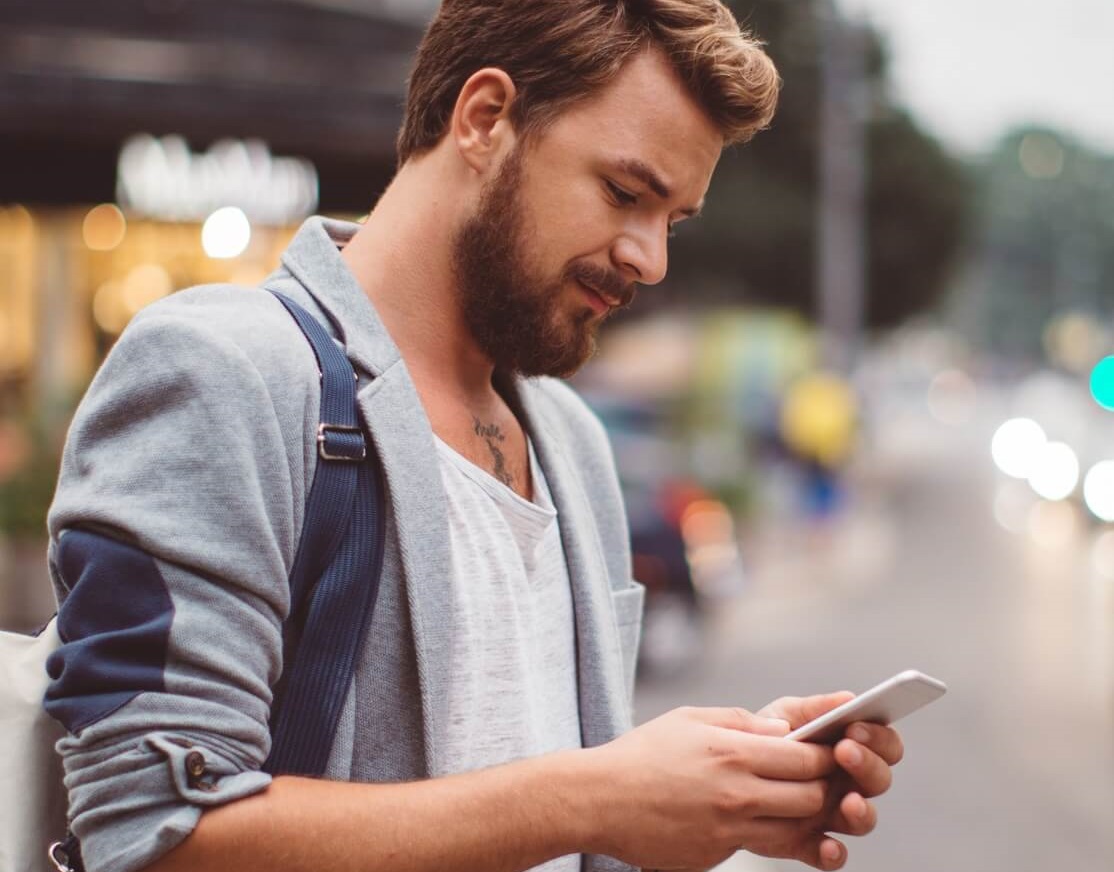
[
  {"x": 742, "y": 720},
  {"x": 783, "y": 708},
  {"x": 884, "y": 741},
  {"x": 872, "y": 775},
  {"x": 782, "y": 799},
  {"x": 773, "y": 757},
  {"x": 820, "y": 851},
  {"x": 854, "y": 816},
  {"x": 800, "y": 710},
  {"x": 790, "y": 840},
  {"x": 832, "y": 854}
]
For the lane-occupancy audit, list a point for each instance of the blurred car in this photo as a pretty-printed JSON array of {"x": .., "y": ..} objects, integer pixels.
[
  {"x": 684, "y": 544},
  {"x": 685, "y": 551}
]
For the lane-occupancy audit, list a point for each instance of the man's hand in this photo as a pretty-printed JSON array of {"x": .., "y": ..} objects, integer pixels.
[
  {"x": 866, "y": 757},
  {"x": 692, "y": 787}
]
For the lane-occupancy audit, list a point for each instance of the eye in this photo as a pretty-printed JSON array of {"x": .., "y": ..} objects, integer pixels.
[{"x": 622, "y": 196}]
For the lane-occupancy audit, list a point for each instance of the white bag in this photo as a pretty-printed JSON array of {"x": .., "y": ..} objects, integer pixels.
[{"x": 32, "y": 796}]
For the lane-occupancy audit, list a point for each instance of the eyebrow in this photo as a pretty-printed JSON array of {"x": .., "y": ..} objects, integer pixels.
[{"x": 645, "y": 174}]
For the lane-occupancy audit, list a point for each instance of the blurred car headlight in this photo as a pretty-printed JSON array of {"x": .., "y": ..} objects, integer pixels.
[
  {"x": 1016, "y": 445},
  {"x": 1055, "y": 471},
  {"x": 1098, "y": 490}
]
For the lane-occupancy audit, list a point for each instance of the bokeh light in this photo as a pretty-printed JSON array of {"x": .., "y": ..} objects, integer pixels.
[
  {"x": 1098, "y": 490},
  {"x": 1102, "y": 383},
  {"x": 951, "y": 397},
  {"x": 144, "y": 285},
  {"x": 104, "y": 227},
  {"x": 108, "y": 309},
  {"x": 1015, "y": 446},
  {"x": 1073, "y": 341},
  {"x": 706, "y": 522},
  {"x": 117, "y": 302},
  {"x": 226, "y": 233},
  {"x": 1055, "y": 471}
]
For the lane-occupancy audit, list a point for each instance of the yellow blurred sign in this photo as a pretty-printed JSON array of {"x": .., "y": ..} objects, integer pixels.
[{"x": 818, "y": 418}]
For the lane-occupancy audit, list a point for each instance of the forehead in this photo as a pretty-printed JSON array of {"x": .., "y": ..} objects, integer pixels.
[{"x": 646, "y": 114}]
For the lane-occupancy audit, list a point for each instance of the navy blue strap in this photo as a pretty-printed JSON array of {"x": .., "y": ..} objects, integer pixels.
[
  {"x": 334, "y": 484},
  {"x": 335, "y": 578}
]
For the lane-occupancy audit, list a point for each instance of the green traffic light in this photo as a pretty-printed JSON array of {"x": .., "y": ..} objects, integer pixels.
[{"x": 1102, "y": 383}]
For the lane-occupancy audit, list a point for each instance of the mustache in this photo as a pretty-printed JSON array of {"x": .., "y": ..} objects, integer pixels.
[{"x": 608, "y": 283}]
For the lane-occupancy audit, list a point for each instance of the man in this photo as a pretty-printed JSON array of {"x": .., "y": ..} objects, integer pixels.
[{"x": 547, "y": 150}]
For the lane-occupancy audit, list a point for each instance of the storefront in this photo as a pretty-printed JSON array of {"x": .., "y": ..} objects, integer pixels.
[
  {"x": 148, "y": 147},
  {"x": 72, "y": 276}
]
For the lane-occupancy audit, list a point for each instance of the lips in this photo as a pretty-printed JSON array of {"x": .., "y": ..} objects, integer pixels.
[
  {"x": 599, "y": 303},
  {"x": 612, "y": 302}
]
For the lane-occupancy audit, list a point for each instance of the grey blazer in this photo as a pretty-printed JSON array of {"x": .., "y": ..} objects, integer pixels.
[{"x": 178, "y": 511}]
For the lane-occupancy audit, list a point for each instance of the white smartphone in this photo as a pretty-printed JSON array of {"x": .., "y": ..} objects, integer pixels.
[{"x": 882, "y": 704}]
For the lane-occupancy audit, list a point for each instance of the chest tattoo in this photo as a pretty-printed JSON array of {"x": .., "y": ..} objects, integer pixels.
[{"x": 493, "y": 436}]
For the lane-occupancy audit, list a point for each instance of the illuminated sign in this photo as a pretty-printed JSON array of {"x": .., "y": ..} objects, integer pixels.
[{"x": 164, "y": 180}]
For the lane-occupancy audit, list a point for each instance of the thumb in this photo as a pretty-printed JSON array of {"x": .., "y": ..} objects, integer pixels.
[
  {"x": 740, "y": 719},
  {"x": 813, "y": 707}
]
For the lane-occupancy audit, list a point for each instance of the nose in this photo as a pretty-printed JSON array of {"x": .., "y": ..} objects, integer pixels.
[{"x": 642, "y": 254}]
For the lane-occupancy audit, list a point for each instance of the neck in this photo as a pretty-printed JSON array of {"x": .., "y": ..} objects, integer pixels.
[{"x": 402, "y": 258}]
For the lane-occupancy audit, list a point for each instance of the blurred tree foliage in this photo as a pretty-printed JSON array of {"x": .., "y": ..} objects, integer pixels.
[
  {"x": 1040, "y": 248},
  {"x": 757, "y": 239}
]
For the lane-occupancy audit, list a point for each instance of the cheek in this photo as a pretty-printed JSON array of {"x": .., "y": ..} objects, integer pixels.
[
  {"x": 580, "y": 227},
  {"x": 568, "y": 218},
  {"x": 571, "y": 196}
]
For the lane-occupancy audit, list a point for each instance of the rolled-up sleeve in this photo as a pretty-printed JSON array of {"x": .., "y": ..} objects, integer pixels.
[{"x": 172, "y": 532}]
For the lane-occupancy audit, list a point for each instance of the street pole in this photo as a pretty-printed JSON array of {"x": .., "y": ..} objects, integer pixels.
[{"x": 841, "y": 210}]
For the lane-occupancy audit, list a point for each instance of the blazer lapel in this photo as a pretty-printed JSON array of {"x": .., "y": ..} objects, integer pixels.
[
  {"x": 404, "y": 442},
  {"x": 604, "y": 712}
]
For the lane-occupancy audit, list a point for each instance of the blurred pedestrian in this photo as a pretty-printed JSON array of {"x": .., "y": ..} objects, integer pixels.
[
  {"x": 546, "y": 153},
  {"x": 819, "y": 426}
]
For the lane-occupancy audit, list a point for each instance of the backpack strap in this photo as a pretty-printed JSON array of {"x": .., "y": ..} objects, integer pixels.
[{"x": 335, "y": 578}]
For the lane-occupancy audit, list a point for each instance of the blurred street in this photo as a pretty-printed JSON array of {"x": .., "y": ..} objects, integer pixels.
[{"x": 1013, "y": 770}]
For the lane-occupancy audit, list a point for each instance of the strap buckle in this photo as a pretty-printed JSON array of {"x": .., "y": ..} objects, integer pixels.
[
  {"x": 338, "y": 442},
  {"x": 59, "y": 854}
]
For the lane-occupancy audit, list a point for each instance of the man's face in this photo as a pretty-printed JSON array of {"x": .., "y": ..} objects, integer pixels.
[{"x": 580, "y": 215}]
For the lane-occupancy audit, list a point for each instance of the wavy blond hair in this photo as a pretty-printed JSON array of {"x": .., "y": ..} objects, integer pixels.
[{"x": 558, "y": 52}]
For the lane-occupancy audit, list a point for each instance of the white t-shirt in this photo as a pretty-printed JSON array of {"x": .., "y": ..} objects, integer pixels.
[{"x": 513, "y": 688}]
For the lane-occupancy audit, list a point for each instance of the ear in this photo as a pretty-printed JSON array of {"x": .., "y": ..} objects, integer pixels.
[{"x": 481, "y": 125}]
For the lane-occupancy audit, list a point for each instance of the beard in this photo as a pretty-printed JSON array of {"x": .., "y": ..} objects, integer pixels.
[{"x": 520, "y": 320}]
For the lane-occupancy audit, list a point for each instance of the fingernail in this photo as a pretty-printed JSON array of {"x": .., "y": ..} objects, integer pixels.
[
  {"x": 859, "y": 733},
  {"x": 854, "y": 755},
  {"x": 833, "y": 853}
]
